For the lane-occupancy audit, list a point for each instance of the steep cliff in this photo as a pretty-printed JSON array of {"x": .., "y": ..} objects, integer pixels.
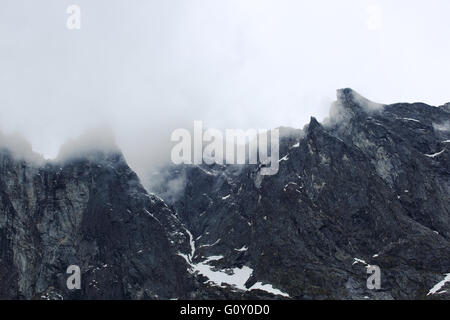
[
  {"x": 370, "y": 186},
  {"x": 91, "y": 212}
]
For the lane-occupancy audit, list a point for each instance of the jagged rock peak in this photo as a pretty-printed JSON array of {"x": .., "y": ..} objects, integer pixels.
[
  {"x": 94, "y": 156},
  {"x": 313, "y": 125},
  {"x": 446, "y": 106},
  {"x": 350, "y": 99}
]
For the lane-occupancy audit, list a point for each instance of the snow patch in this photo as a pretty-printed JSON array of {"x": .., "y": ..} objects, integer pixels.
[
  {"x": 286, "y": 186},
  {"x": 356, "y": 261},
  {"x": 439, "y": 285},
  {"x": 151, "y": 215},
  {"x": 410, "y": 119},
  {"x": 269, "y": 288},
  {"x": 191, "y": 244},
  {"x": 213, "y": 258},
  {"x": 210, "y": 245},
  {"x": 435, "y": 155},
  {"x": 235, "y": 277}
]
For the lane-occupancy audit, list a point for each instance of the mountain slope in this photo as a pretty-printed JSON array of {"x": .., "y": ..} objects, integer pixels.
[
  {"x": 369, "y": 186},
  {"x": 91, "y": 212}
]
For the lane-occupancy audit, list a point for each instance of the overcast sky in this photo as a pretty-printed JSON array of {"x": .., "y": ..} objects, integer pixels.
[{"x": 147, "y": 67}]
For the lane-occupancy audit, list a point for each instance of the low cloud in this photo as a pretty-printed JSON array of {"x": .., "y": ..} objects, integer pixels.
[
  {"x": 442, "y": 126},
  {"x": 88, "y": 144},
  {"x": 150, "y": 67},
  {"x": 19, "y": 148},
  {"x": 167, "y": 184},
  {"x": 349, "y": 103}
]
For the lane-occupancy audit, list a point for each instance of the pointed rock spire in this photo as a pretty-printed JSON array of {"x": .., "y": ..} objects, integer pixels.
[
  {"x": 313, "y": 126},
  {"x": 352, "y": 100}
]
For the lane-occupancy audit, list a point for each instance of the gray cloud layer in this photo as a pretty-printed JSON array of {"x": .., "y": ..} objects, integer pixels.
[{"x": 144, "y": 68}]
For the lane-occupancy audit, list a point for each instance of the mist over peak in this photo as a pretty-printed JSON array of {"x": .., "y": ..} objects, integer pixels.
[
  {"x": 149, "y": 68},
  {"x": 349, "y": 98},
  {"x": 94, "y": 144},
  {"x": 19, "y": 147},
  {"x": 89, "y": 145}
]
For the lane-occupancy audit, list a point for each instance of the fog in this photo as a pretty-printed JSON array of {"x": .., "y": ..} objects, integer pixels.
[
  {"x": 145, "y": 68},
  {"x": 90, "y": 141}
]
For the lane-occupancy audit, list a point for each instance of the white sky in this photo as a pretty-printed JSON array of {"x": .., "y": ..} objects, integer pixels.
[{"x": 147, "y": 67}]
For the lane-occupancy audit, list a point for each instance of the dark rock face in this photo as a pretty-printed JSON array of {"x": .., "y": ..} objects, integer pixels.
[
  {"x": 369, "y": 186},
  {"x": 90, "y": 213}
]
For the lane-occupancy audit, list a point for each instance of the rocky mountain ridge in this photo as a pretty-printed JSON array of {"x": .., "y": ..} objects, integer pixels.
[{"x": 368, "y": 186}]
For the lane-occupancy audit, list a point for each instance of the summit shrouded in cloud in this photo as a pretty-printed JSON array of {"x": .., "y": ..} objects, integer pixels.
[
  {"x": 136, "y": 162},
  {"x": 146, "y": 68}
]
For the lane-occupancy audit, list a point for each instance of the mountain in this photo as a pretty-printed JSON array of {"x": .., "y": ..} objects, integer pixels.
[
  {"x": 91, "y": 212},
  {"x": 368, "y": 186}
]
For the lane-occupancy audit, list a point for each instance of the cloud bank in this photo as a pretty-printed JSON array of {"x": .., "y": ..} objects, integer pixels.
[{"x": 145, "y": 68}]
